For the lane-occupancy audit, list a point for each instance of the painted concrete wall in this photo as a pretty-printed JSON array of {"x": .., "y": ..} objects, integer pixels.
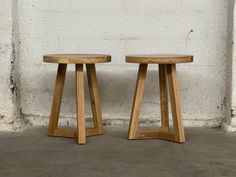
[
  {"x": 8, "y": 101},
  {"x": 234, "y": 71},
  {"x": 231, "y": 123},
  {"x": 120, "y": 28}
]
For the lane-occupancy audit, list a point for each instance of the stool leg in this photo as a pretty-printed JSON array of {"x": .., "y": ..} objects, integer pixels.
[
  {"x": 175, "y": 103},
  {"x": 163, "y": 97},
  {"x": 94, "y": 96},
  {"x": 79, "y": 75},
  {"x": 56, "y": 104},
  {"x": 137, "y": 100}
]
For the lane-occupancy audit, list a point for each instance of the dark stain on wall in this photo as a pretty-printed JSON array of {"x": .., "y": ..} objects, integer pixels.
[{"x": 12, "y": 71}]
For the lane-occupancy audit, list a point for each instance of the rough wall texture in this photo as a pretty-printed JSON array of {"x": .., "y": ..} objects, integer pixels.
[
  {"x": 120, "y": 28},
  {"x": 8, "y": 106},
  {"x": 231, "y": 123},
  {"x": 229, "y": 62}
]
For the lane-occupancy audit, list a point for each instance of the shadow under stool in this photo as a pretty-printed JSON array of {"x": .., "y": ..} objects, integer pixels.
[
  {"x": 168, "y": 81},
  {"x": 79, "y": 60}
]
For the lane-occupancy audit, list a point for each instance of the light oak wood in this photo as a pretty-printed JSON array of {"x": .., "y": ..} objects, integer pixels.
[
  {"x": 167, "y": 77},
  {"x": 137, "y": 100},
  {"x": 71, "y": 133},
  {"x": 76, "y": 58},
  {"x": 93, "y": 132},
  {"x": 175, "y": 102},
  {"x": 94, "y": 97},
  {"x": 56, "y": 103},
  {"x": 163, "y": 96},
  {"x": 170, "y": 136},
  {"x": 65, "y": 132},
  {"x": 79, "y": 75},
  {"x": 159, "y": 59}
]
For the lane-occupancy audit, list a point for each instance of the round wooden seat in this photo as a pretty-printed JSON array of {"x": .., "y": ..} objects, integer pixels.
[
  {"x": 159, "y": 59},
  {"x": 76, "y": 58}
]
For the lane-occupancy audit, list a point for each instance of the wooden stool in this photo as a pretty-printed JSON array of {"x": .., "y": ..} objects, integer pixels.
[
  {"x": 78, "y": 60},
  {"x": 167, "y": 76}
]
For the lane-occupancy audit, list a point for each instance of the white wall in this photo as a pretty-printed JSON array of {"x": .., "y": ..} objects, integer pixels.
[
  {"x": 231, "y": 123},
  {"x": 8, "y": 89},
  {"x": 120, "y": 28}
]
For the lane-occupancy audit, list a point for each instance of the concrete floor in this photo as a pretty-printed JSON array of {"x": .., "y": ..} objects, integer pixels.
[{"x": 31, "y": 153}]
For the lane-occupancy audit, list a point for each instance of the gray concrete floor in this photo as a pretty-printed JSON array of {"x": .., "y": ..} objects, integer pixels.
[{"x": 31, "y": 153}]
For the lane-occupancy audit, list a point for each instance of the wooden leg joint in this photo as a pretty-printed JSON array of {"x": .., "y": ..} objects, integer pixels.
[
  {"x": 168, "y": 83},
  {"x": 71, "y": 133},
  {"x": 81, "y": 132}
]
